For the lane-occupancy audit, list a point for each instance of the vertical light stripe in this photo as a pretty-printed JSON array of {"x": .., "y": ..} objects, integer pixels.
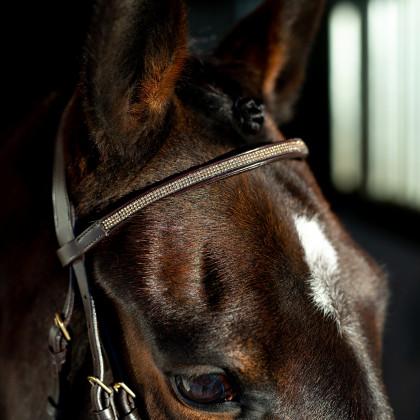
[
  {"x": 394, "y": 104},
  {"x": 345, "y": 94},
  {"x": 384, "y": 101},
  {"x": 413, "y": 102},
  {"x": 393, "y": 115}
]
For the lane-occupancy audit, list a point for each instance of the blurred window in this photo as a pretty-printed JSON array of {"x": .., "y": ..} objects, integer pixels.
[{"x": 374, "y": 49}]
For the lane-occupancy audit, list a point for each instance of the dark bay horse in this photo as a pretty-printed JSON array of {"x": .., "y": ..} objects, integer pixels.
[{"x": 241, "y": 299}]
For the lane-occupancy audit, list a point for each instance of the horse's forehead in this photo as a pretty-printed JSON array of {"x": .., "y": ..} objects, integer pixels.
[{"x": 241, "y": 260}]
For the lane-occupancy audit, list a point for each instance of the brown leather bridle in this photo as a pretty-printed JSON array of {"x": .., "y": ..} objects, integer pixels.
[{"x": 117, "y": 401}]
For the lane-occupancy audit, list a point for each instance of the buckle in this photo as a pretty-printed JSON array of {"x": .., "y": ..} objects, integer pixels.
[
  {"x": 122, "y": 385},
  {"x": 95, "y": 381},
  {"x": 59, "y": 323}
]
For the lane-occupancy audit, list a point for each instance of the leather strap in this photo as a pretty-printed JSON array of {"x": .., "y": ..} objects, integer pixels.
[
  {"x": 60, "y": 366},
  {"x": 64, "y": 225},
  {"x": 204, "y": 174},
  {"x": 59, "y": 345}
]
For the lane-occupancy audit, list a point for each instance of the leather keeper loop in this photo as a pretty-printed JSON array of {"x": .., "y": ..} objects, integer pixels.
[
  {"x": 106, "y": 414},
  {"x": 58, "y": 359},
  {"x": 134, "y": 415}
]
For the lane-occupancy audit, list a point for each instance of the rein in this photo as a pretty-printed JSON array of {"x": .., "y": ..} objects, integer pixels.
[{"x": 118, "y": 401}]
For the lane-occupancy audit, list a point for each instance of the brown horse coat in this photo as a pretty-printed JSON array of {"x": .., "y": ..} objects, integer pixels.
[{"x": 252, "y": 279}]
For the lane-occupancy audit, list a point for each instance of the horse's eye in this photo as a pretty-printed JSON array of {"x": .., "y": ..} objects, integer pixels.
[{"x": 204, "y": 389}]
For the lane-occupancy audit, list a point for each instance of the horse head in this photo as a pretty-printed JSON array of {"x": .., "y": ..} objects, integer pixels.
[{"x": 241, "y": 299}]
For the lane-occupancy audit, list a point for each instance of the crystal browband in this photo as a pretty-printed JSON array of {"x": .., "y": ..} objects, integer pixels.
[{"x": 204, "y": 174}]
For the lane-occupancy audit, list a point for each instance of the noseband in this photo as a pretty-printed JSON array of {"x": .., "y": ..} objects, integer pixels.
[{"x": 117, "y": 401}]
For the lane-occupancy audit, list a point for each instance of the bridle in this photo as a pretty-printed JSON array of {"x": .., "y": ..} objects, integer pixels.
[{"x": 117, "y": 401}]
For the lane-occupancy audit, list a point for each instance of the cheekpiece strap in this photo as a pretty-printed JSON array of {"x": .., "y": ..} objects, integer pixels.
[{"x": 64, "y": 225}]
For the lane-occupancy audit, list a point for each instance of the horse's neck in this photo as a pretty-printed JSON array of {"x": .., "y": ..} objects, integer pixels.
[
  {"x": 33, "y": 285},
  {"x": 25, "y": 174}
]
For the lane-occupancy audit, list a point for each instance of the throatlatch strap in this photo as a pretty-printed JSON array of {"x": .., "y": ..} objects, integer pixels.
[
  {"x": 64, "y": 224},
  {"x": 59, "y": 337}
]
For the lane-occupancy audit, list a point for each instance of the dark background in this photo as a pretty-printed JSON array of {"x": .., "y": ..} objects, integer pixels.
[{"x": 40, "y": 49}]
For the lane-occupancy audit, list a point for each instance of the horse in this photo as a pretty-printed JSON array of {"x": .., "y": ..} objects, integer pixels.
[{"x": 215, "y": 282}]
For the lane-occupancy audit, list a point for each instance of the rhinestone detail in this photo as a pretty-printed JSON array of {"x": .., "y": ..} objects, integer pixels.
[{"x": 200, "y": 175}]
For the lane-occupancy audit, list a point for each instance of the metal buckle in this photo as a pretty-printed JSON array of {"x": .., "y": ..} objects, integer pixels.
[
  {"x": 95, "y": 381},
  {"x": 122, "y": 385},
  {"x": 59, "y": 323}
]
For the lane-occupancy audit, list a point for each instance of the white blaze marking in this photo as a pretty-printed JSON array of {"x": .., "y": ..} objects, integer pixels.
[{"x": 322, "y": 260}]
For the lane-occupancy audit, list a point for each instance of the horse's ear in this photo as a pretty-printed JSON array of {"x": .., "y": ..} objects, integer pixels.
[
  {"x": 266, "y": 52},
  {"x": 134, "y": 55}
]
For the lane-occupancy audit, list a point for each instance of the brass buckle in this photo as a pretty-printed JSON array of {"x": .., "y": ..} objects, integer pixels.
[
  {"x": 122, "y": 385},
  {"x": 95, "y": 381},
  {"x": 59, "y": 323}
]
